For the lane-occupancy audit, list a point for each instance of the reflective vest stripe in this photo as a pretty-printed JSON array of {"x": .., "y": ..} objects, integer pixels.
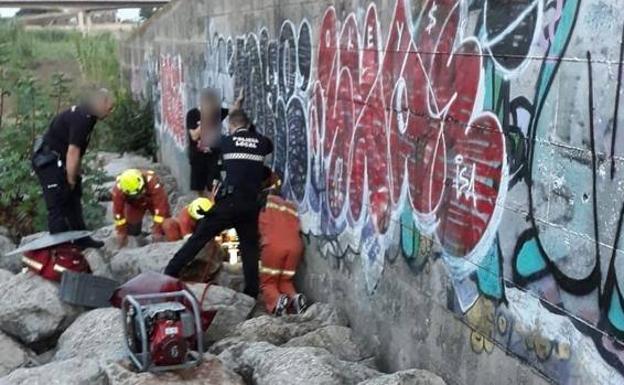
[
  {"x": 32, "y": 263},
  {"x": 275, "y": 206},
  {"x": 243, "y": 156},
  {"x": 270, "y": 271},
  {"x": 59, "y": 268}
]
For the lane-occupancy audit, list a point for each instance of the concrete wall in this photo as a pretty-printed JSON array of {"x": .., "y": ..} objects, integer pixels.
[{"x": 457, "y": 164}]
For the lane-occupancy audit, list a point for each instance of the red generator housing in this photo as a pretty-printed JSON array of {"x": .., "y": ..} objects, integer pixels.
[{"x": 50, "y": 263}]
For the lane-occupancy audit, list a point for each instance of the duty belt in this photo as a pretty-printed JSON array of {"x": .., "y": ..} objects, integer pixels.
[{"x": 43, "y": 155}]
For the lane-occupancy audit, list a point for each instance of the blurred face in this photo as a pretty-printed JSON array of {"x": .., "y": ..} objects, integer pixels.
[
  {"x": 104, "y": 107},
  {"x": 233, "y": 126},
  {"x": 209, "y": 101}
]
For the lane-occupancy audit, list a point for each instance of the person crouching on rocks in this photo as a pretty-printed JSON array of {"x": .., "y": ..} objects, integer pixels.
[
  {"x": 135, "y": 193},
  {"x": 281, "y": 249},
  {"x": 182, "y": 226}
]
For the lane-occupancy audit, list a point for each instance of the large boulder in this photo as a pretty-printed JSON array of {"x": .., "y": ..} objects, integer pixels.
[
  {"x": 98, "y": 262},
  {"x": 279, "y": 330},
  {"x": 107, "y": 235},
  {"x": 70, "y": 372},
  {"x": 232, "y": 308},
  {"x": 105, "y": 232},
  {"x": 12, "y": 355},
  {"x": 210, "y": 372},
  {"x": 31, "y": 310},
  {"x": 128, "y": 262},
  {"x": 266, "y": 364},
  {"x": 96, "y": 334},
  {"x": 13, "y": 263},
  {"x": 338, "y": 340},
  {"x": 171, "y": 186},
  {"x": 5, "y": 275},
  {"x": 406, "y": 377},
  {"x": 231, "y": 275},
  {"x": 115, "y": 164}
]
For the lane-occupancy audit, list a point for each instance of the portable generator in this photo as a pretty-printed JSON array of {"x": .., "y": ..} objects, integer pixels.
[{"x": 163, "y": 330}]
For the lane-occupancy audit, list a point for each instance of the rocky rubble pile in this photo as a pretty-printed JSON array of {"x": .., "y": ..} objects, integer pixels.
[
  {"x": 42, "y": 338},
  {"x": 45, "y": 341}
]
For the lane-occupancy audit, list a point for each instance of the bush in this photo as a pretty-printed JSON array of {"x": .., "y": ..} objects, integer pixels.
[
  {"x": 130, "y": 128},
  {"x": 98, "y": 59}
]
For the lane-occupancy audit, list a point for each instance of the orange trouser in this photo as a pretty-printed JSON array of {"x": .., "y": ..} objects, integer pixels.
[
  {"x": 279, "y": 261},
  {"x": 172, "y": 231}
]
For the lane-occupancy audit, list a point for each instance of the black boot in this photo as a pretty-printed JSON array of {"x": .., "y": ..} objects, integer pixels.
[
  {"x": 88, "y": 243},
  {"x": 300, "y": 303},
  {"x": 281, "y": 305}
]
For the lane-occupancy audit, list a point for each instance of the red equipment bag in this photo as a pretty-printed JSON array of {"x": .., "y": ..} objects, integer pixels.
[
  {"x": 50, "y": 263},
  {"x": 152, "y": 282}
]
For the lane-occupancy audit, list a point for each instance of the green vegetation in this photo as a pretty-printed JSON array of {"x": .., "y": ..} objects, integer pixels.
[
  {"x": 97, "y": 56},
  {"x": 42, "y": 73}
]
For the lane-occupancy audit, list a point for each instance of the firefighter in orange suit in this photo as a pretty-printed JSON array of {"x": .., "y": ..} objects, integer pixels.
[
  {"x": 183, "y": 225},
  {"x": 281, "y": 251},
  {"x": 135, "y": 193}
]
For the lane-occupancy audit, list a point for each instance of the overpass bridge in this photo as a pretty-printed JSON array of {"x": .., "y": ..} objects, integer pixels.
[
  {"x": 79, "y": 9},
  {"x": 82, "y": 4}
]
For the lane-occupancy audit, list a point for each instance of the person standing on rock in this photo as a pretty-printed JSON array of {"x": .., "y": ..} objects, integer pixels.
[
  {"x": 203, "y": 125},
  {"x": 238, "y": 201},
  {"x": 56, "y": 161}
]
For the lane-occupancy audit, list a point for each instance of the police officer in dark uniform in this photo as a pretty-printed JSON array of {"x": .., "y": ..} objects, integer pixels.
[
  {"x": 238, "y": 202},
  {"x": 56, "y": 161}
]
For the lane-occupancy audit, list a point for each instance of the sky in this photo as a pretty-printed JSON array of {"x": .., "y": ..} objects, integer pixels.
[{"x": 124, "y": 14}]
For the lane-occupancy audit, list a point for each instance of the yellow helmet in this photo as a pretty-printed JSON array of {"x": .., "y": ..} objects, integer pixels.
[
  {"x": 131, "y": 182},
  {"x": 198, "y": 208}
]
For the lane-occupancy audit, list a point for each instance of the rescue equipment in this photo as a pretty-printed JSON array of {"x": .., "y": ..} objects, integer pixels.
[
  {"x": 86, "y": 290},
  {"x": 52, "y": 262},
  {"x": 161, "y": 332},
  {"x": 163, "y": 322},
  {"x": 49, "y": 240},
  {"x": 53, "y": 254}
]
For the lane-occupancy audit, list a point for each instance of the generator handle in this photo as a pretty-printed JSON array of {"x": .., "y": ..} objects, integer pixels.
[
  {"x": 142, "y": 363},
  {"x": 134, "y": 300}
]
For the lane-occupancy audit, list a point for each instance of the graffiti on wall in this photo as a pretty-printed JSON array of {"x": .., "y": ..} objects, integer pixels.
[
  {"x": 172, "y": 98},
  {"x": 440, "y": 138}
]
